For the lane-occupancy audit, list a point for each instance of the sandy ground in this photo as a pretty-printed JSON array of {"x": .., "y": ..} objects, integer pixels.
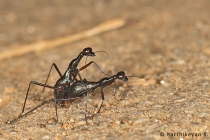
[{"x": 165, "y": 42}]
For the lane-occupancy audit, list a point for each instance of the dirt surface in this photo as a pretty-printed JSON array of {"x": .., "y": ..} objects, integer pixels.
[{"x": 165, "y": 42}]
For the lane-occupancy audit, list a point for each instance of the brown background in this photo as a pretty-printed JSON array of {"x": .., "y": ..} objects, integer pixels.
[{"x": 166, "y": 42}]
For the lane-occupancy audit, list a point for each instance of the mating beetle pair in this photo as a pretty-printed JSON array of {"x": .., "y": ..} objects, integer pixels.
[{"x": 68, "y": 88}]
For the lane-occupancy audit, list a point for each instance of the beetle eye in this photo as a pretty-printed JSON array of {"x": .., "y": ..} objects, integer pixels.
[
  {"x": 120, "y": 75},
  {"x": 87, "y": 50}
]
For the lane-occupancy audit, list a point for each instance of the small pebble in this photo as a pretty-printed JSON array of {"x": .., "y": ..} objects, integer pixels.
[
  {"x": 189, "y": 111},
  {"x": 64, "y": 133},
  {"x": 13, "y": 132},
  {"x": 158, "y": 106},
  {"x": 117, "y": 122},
  {"x": 180, "y": 100},
  {"x": 162, "y": 82},
  {"x": 130, "y": 122},
  {"x": 72, "y": 120},
  {"x": 52, "y": 121},
  {"x": 156, "y": 121},
  {"x": 46, "y": 137}
]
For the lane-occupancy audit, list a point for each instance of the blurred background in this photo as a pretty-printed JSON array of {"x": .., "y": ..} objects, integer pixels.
[{"x": 165, "y": 42}]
